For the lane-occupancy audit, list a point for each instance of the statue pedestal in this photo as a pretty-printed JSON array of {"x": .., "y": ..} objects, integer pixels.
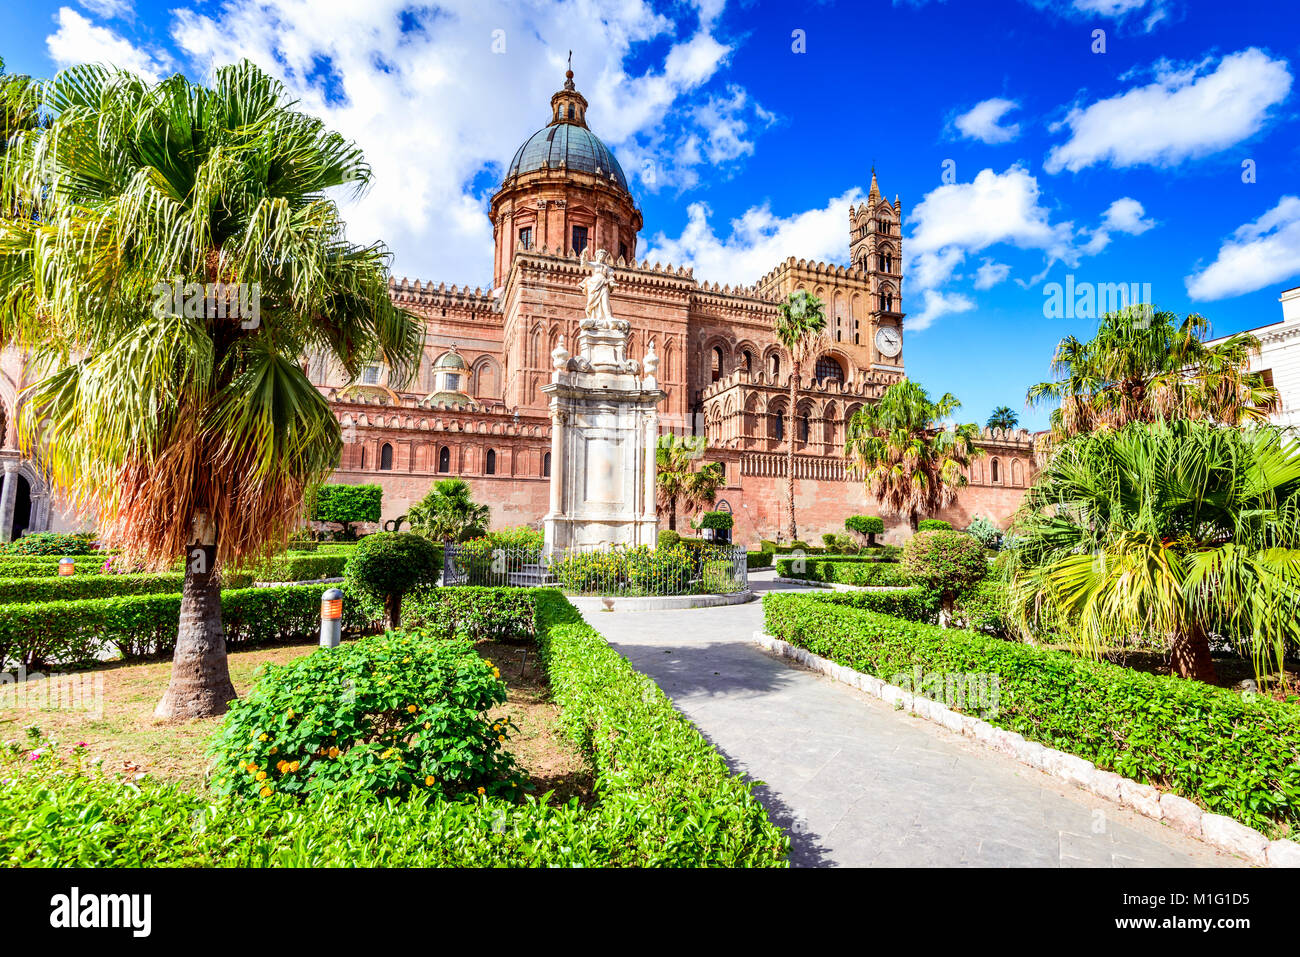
[{"x": 605, "y": 428}]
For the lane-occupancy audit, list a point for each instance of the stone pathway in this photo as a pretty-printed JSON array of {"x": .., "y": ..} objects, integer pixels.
[{"x": 859, "y": 784}]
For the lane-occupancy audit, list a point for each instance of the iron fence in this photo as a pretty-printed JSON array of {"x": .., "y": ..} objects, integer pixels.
[{"x": 694, "y": 569}]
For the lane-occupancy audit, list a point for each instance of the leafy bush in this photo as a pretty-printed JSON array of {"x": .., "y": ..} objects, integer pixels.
[
  {"x": 933, "y": 525},
  {"x": 1235, "y": 755},
  {"x": 985, "y": 532},
  {"x": 946, "y": 561},
  {"x": 519, "y": 537},
  {"x": 985, "y": 607},
  {"x": 385, "y": 714},
  {"x": 389, "y": 564},
  {"x": 630, "y": 571},
  {"x": 667, "y": 538},
  {"x": 758, "y": 560},
  {"x": 868, "y": 525},
  {"x": 79, "y": 586},
  {"x": 840, "y": 544},
  {"x": 719, "y": 521},
  {"x": 50, "y": 543},
  {"x": 345, "y": 505}
]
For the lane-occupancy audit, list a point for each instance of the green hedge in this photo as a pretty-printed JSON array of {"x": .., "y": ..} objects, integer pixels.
[
  {"x": 870, "y": 573},
  {"x": 666, "y": 798},
  {"x": 140, "y": 626},
  {"x": 79, "y": 586},
  {"x": 297, "y": 568},
  {"x": 1235, "y": 755},
  {"x": 758, "y": 560}
]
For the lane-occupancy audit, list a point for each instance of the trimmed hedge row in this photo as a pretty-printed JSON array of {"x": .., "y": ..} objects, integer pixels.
[
  {"x": 872, "y": 573},
  {"x": 77, "y": 587},
  {"x": 297, "y": 568},
  {"x": 666, "y": 797},
  {"x": 1235, "y": 755},
  {"x": 758, "y": 560},
  {"x": 141, "y": 626}
]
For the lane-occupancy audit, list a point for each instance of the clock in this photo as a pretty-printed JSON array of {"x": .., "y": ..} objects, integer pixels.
[{"x": 889, "y": 341}]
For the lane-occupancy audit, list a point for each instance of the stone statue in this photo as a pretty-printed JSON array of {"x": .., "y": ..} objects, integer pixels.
[{"x": 597, "y": 287}]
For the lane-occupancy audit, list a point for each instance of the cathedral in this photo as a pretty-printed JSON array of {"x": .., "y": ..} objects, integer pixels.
[{"x": 477, "y": 410}]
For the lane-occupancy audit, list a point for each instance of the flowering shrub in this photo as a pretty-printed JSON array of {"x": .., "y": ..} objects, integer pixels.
[
  {"x": 385, "y": 715},
  {"x": 631, "y": 571},
  {"x": 944, "y": 560},
  {"x": 388, "y": 565}
]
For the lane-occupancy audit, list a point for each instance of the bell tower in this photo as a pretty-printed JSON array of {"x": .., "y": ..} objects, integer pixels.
[{"x": 876, "y": 248}]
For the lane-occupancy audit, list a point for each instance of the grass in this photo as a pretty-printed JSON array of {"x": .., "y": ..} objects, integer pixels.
[{"x": 129, "y": 740}]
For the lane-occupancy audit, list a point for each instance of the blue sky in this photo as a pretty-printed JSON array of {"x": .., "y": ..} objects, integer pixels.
[{"x": 1023, "y": 152}]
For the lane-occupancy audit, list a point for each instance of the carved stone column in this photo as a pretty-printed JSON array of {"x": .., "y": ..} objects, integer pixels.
[{"x": 8, "y": 497}]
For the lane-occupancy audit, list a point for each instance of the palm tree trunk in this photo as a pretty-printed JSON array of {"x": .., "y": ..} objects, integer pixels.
[
  {"x": 914, "y": 520},
  {"x": 200, "y": 680},
  {"x": 1191, "y": 656},
  {"x": 672, "y": 514},
  {"x": 789, "y": 452},
  {"x": 393, "y": 606}
]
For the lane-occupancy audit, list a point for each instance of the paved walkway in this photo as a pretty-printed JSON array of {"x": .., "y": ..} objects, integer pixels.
[{"x": 859, "y": 784}]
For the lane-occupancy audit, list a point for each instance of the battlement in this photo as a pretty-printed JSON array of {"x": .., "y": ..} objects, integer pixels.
[
  {"x": 813, "y": 271},
  {"x": 408, "y": 291},
  {"x": 868, "y": 385},
  {"x": 1014, "y": 438}
]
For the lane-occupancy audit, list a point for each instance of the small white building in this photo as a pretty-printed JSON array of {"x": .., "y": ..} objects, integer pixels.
[{"x": 1279, "y": 359}]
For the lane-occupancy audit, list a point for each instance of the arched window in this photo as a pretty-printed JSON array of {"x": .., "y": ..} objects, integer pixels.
[
  {"x": 491, "y": 467},
  {"x": 993, "y": 471},
  {"x": 828, "y": 370},
  {"x": 776, "y": 364},
  {"x": 444, "y": 459},
  {"x": 717, "y": 363},
  {"x": 803, "y": 426},
  {"x": 546, "y": 465},
  {"x": 386, "y": 458},
  {"x": 889, "y": 263},
  {"x": 747, "y": 358}
]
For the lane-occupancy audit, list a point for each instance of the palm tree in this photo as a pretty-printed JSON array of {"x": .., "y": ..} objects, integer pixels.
[
  {"x": 801, "y": 328},
  {"x": 188, "y": 430},
  {"x": 678, "y": 482},
  {"x": 448, "y": 513},
  {"x": 1181, "y": 531},
  {"x": 1145, "y": 365},
  {"x": 912, "y": 464},
  {"x": 1003, "y": 417}
]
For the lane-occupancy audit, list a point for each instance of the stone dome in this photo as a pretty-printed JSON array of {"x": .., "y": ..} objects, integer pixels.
[
  {"x": 567, "y": 146},
  {"x": 451, "y": 359}
]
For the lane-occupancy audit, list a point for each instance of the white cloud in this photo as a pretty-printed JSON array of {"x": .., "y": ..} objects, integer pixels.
[
  {"x": 990, "y": 274},
  {"x": 77, "y": 40},
  {"x": 109, "y": 9},
  {"x": 935, "y": 305},
  {"x": 1184, "y": 113},
  {"x": 983, "y": 121},
  {"x": 758, "y": 240},
  {"x": 409, "y": 85},
  {"x": 960, "y": 218},
  {"x": 1258, "y": 254},
  {"x": 1125, "y": 215}
]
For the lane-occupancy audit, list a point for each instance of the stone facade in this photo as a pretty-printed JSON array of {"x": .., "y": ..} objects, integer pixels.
[
  {"x": 724, "y": 374},
  {"x": 1279, "y": 359}
]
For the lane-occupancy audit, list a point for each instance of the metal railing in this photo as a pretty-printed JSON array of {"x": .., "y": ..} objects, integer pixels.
[{"x": 703, "y": 569}]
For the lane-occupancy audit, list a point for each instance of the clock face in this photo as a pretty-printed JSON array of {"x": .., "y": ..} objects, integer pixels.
[{"x": 889, "y": 341}]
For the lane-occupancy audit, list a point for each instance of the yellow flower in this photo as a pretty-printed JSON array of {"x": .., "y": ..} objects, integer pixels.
[
  {"x": 261, "y": 775},
  {"x": 496, "y": 672},
  {"x": 334, "y": 752},
  {"x": 428, "y": 782},
  {"x": 427, "y": 726},
  {"x": 281, "y": 766},
  {"x": 501, "y": 738},
  {"x": 334, "y": 734},
  {"x": 480, "y": 791},
  {"x": 386, "y": 754},
  {"x": 251, "y": 767},
  {"x": 293, "y": 765},
  {"x": 411, "y": 708},
  {"x": 266, "y": 792},
  {"x": 273, "y": 749},
  {"x": 261, "y": 737},
  {"x": 291, "y": 712}
]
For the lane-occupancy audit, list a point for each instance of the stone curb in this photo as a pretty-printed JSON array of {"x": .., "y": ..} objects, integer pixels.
[
  {"x": 658, "y": 603},
  {"x": 1179, "y": 813}
]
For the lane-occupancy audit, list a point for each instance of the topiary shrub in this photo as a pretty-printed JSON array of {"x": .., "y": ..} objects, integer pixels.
[
  {"x": 386, "y": 715},
  {"x": 389, "y": 564},
  {"x": 668, "y": 538},
  {"x": 933, "y": 525},
  {"x": 721, "y": 521},
  {"x": 345, "y": 505},
  {"x": 868, "y": 525},
  {"x": 947, "y": 562}
]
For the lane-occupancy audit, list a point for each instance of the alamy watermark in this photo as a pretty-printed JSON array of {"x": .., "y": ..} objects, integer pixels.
[
  {"x": 967, "y": 691},
  {"x": 1089, "y": 300},
  {"x": 213, "y": 300},
  {"x": 36, "y": 691}
]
